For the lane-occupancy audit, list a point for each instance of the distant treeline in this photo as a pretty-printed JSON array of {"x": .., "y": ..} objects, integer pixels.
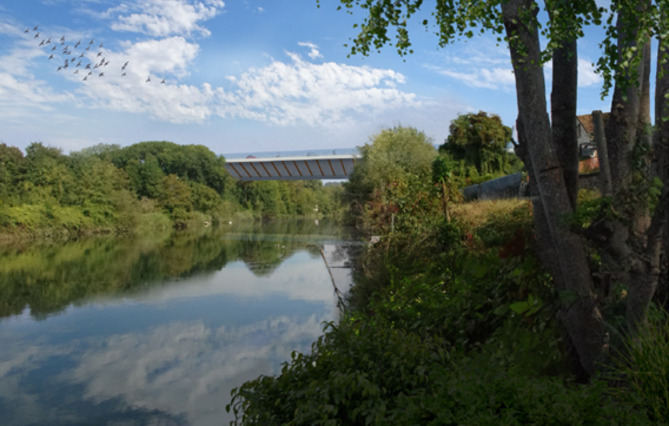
[{"x": 106, "y": 188}]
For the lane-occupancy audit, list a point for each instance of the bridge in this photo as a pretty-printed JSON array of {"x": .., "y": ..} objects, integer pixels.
[{"x": 292, "y": 168}]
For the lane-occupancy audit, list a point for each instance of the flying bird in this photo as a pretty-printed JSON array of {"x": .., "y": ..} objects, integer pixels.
[
  {"x": 162, "y": 82},
  {"x": 125, "y": 65},
  {"x": 36, "y": 35},
  {"x": 27, "y": 30},
  {"x": 77, "y": 44},
  {"x": 101, "y": 74},
  {"x": 148, "y": 79},
  {"x": 35, "y": 29},
  {"x": 51, "y": 56},
  {"x": 123, "y": 75},
  {"x": 85, "y": 78}
]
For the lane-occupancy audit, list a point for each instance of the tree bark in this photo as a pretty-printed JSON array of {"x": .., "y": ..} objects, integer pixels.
[
  {"x": 603, "y": 155},
  {"x": 563, "y": 112},
  {"x": 580, "y": 314},
  {"x": 632, "y": 253},
  {"x": 622, "y": 127}
]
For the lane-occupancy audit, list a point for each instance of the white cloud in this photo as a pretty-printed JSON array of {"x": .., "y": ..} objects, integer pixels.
[
  {"x": 586, "y": 74},
  {"x": 481, "y": 63},
  {"x": 281, "y": 93},
  {"x": 314, "y": 94},
  {"x": 163, "y": 18},
  {"x": 314, "y": 53},
  {"x": 295, "y": 91},
  {"x": 493, "y": 78},
  {"x": 21, "y": 93}
]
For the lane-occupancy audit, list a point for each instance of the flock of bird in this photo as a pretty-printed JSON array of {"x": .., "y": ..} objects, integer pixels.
[{"x": 76, "y": 57}]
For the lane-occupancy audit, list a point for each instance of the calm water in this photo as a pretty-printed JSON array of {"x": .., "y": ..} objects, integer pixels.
[{"x": 135, "y": 332}]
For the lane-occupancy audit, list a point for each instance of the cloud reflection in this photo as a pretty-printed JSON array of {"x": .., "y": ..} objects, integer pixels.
[
  {"x": 309, "y": 282},
  {"x": 180, "y": 369}
]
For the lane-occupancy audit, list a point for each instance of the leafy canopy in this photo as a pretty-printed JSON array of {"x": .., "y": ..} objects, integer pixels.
[{"x": 480, "y": 141}]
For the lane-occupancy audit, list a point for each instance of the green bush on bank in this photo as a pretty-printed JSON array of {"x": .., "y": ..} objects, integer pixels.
[
  {"x": 434, "y": 354},
  {"x": 459, "y": 329}
]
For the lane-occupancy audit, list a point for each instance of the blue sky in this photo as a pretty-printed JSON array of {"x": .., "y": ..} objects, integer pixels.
[{"x": 239, "y": 76}]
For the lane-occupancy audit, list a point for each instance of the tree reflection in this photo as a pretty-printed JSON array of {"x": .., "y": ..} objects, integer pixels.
[{"x": 46, "y": 278}]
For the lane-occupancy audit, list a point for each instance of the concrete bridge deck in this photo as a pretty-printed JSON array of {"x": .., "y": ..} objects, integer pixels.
[{"x": 292, "y": 168}]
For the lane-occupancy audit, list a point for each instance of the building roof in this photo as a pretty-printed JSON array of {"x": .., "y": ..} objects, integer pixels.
[{"x": 587, "y": 123}]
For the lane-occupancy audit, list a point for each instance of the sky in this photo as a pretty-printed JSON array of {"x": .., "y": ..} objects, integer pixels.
[{"x": 238, "y": 76}]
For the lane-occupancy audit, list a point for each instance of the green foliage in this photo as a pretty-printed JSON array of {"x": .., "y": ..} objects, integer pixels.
[
  {"x": 303, "y": 198},
  {"x": 106, "y": 188},
  {"x": 643, "y": 368},
  {"x": 477, "y": 144},
  {"x": 148, "y": 162},
  {"x": 391, "y": 186},
  {"x": 456, "y": 326},
  {"x": 453, "y": 20},
  {"x": 393, "y": 155},
  {"x": 470, "y": 351},
  {"x": 10, "y": 164}
]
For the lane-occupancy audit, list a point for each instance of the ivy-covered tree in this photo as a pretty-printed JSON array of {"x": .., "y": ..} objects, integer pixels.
[{"x": 480, "y": 141}]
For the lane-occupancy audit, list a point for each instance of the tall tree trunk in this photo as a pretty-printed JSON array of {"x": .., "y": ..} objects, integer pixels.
[
  {"x": 603, "y": 154},
  {"x": 632, "y": 253},
  {"x": 661, "y": 155},
  {"x": 544, "y": 246},
  {"x": 622, "y": 127},
  {"x": 563, "y": 111},
  {"x": 580, "y": 314}
]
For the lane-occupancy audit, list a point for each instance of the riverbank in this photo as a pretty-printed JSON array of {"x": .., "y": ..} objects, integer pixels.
[{"x": 456, "y": 326}]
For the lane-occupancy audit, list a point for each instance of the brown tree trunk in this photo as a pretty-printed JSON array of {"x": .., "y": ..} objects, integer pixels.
[
  {"x": 632, "y": 252},
  {"x": 580, "y": 314},
  {"x": 543, "y": 244},
  {"x": 563, "y": 112},
  {"x": 603, "y": 155},
  {"x": 622, "y": 127}
]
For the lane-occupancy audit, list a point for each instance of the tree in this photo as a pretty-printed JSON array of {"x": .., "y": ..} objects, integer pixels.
[
  {"x": 480, "y": 141},
  {"x": 10, "y": 164},
  {"x": 632, "y": 236},
  {"x": 396, "y": 164}
]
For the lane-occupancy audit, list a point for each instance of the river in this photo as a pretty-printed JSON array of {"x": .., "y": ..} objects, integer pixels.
[{"x": 159, "y": 330}]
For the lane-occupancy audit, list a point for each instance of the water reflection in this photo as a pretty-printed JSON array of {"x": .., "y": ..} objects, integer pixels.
[{"x": 166, "y": 329}]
